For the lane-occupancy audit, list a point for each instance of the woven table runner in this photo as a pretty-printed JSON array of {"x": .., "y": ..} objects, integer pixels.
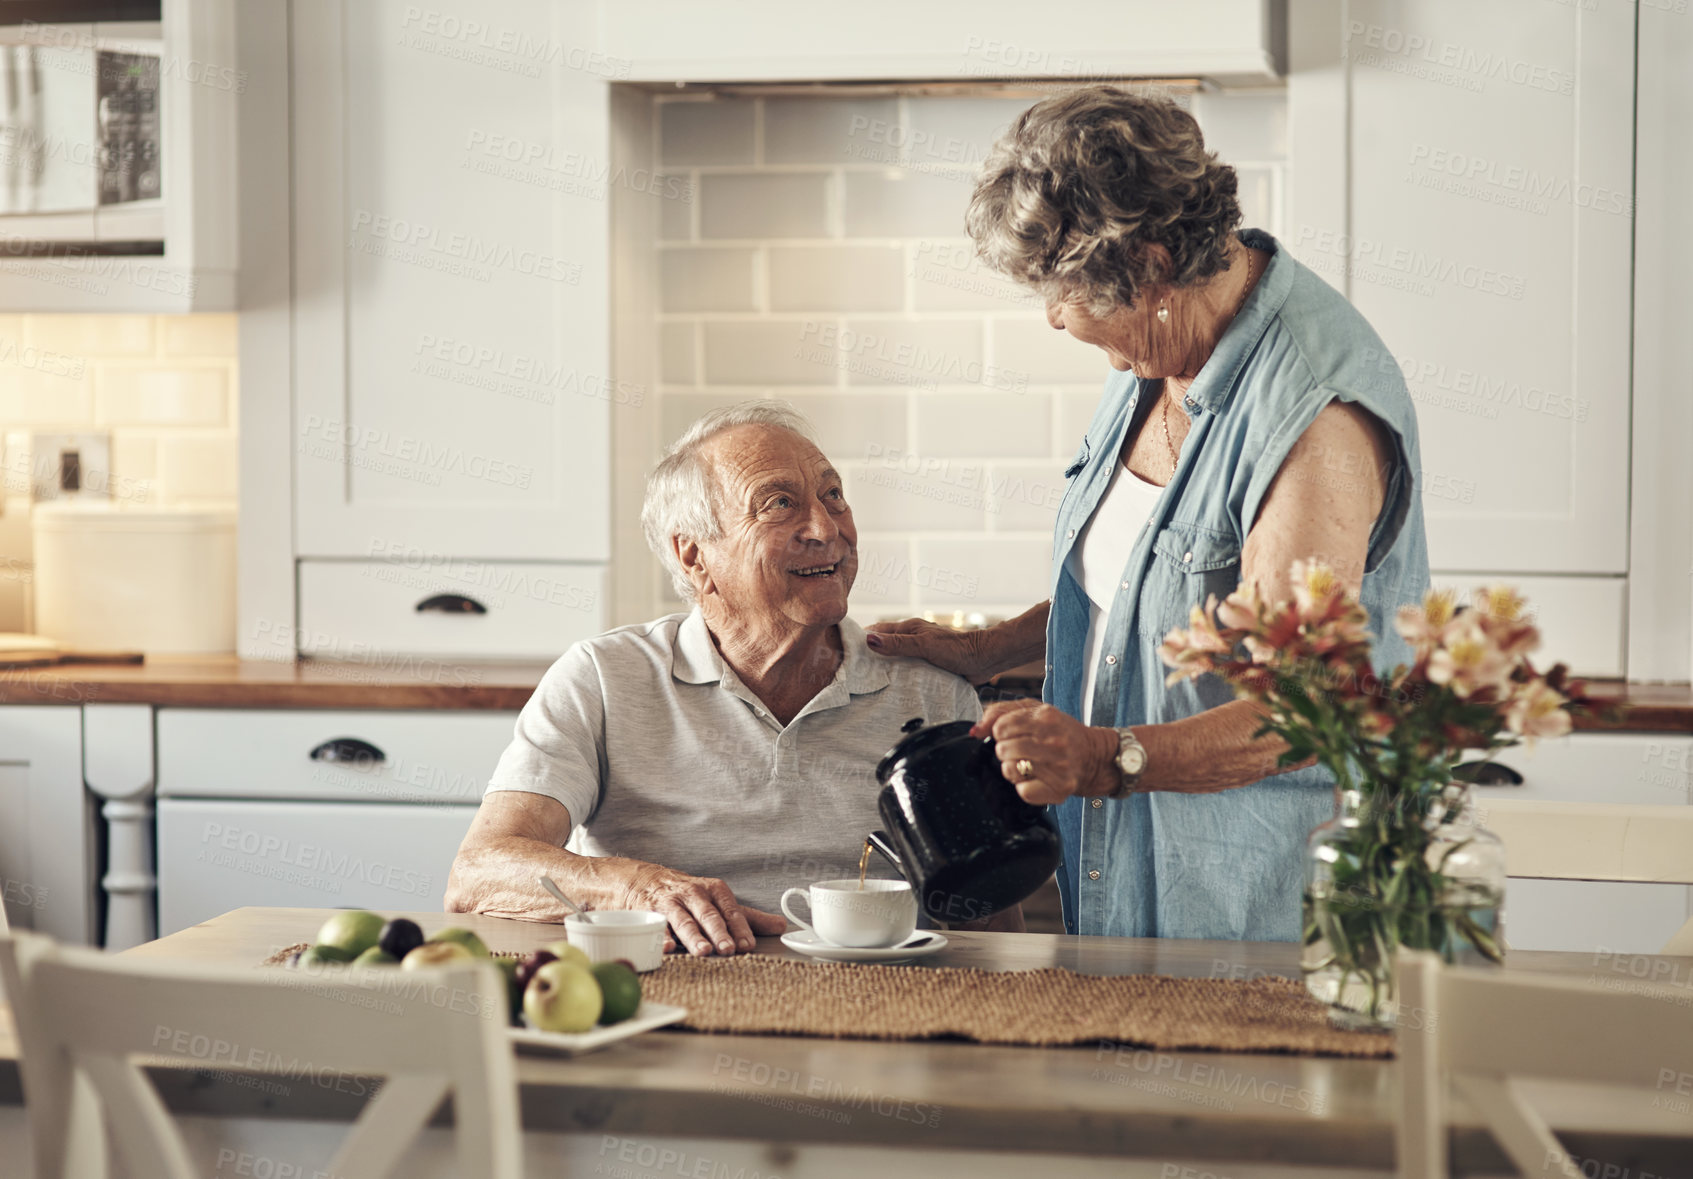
[{"x": 755, "y": 993}]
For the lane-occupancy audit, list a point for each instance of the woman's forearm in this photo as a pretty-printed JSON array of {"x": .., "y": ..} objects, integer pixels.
[
  {"x": 1211, "y": 751},
  {"x": 1019, "y": 640}
]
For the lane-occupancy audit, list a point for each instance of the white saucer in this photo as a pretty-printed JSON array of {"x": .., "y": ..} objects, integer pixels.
[{"x": 915, "y": 946}]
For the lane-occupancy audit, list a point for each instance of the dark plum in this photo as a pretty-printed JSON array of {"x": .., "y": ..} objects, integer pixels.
[
  {"x": 400, "y": 937},
  {"x": 526, "y": 969}
]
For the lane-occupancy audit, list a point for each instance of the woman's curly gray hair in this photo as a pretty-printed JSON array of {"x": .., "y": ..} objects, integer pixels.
[{"x": 1072, "y": 196}]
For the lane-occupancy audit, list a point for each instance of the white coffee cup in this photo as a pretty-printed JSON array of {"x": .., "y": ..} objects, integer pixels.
[{"x": 884, "y": 913}]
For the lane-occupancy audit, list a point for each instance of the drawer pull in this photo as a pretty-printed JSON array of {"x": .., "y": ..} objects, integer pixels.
[
  {"x": 451, "y": 604},
  {"x": 1487, "y": 773},
  {"x": 349, "y": 750}
]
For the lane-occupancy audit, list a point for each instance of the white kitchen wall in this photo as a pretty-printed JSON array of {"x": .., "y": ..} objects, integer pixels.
[
  {"x": 163, "y": 386},
  {"x": 823, "y": 260}
]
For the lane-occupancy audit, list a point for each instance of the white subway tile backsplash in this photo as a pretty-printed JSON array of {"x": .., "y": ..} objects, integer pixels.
[
  {"x": 197, "y": 335},
  {"x": 1243, "y": 126},
  {"x": 946, "y": 275},
  {"x": 880, "y": 326},
  {"x": 1024, "y": 496},
  {"x": 678, "y": 411},
  {"x": 904, "y": 202},
  {"x": 1046, "y": 355},
  {"x": 133, "y": 395},
  {"x": 776, "y": 352},
  {"x": 837, "y": 278},
  {"x": 885, "y": 570},
  {"x": 716, "y": 131},
  {"x": 764, "y": 205},
  {"x": 33, "y": 397},
  {"x": 989, "y": 569},
  {"x": 676, "y": 360},
  {"x": 957, "y": 131},
  {"x": 92, "y": 335},
  {"x": 196, "y": 467},
  {"x": 676, "y": 213},
  {"x": 984, "y": 425},
  {"x": 899, "y": 492},
  {"x": 823, "y": 130},
  {"x": 707, "y": 279},
  {"x": 135, "y": 457},
  {"x": 921, "y": 353},
  {"x": 855, "y": 424}
]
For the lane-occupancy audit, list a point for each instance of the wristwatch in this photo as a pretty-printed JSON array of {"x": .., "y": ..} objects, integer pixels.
[{"x": 1131, "y": 763}]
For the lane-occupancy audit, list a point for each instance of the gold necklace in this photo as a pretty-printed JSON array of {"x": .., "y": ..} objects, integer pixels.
[{"x": 1164, "y": 417}]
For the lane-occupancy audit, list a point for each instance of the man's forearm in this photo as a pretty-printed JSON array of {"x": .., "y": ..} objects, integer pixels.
[{"x": 498, "y": 877}]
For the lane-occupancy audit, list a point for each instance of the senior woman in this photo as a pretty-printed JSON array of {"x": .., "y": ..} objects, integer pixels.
[{"x": 1249, "y": 424}]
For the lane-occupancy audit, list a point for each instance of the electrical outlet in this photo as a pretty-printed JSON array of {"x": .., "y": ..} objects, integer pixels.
[{"x": 71, "y": 466}]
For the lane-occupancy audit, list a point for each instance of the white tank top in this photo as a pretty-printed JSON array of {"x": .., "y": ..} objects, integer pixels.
[{"x": 1099, "y": 557}]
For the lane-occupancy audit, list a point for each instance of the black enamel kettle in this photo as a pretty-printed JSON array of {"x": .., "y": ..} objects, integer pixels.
[{"x": 956, "y": 829}]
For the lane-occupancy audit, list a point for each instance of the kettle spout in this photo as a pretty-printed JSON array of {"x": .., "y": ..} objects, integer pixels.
[{"x": 879, "y": 841}]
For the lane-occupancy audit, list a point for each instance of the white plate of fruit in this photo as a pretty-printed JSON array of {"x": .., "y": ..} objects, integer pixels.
[{"x": 557, "y": 1001}]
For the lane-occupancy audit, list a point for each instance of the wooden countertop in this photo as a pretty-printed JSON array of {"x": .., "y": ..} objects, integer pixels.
[
  {"x": 1083, "y": 1100},
  {"x": 228, "y": 682},
  {"x": 424, "y": 682}
]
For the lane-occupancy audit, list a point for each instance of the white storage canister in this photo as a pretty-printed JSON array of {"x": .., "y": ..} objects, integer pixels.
[{"x": 159, "y": 580}]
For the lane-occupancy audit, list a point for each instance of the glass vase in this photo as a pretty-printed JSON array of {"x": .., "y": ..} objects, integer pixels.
[{"x": 1387, "y": 873}]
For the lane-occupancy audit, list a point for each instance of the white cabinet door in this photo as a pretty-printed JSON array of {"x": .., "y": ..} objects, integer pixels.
[
  {"x": 1486, "y": 234},
  {"x": 215, "y": 856},
  {"x": 47, "y": 832},
  {"x": 451, "y": 290},
  {"x": 1635, "y": 769}
]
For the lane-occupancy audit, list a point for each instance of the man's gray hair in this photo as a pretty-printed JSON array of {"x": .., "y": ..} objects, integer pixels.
[{"x": 683, "y": 492}]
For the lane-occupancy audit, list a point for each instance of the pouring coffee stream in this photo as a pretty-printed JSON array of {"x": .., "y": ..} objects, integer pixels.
[{"x": 955, "y": 828}]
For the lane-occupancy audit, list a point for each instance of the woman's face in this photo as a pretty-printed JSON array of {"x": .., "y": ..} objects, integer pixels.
[{"x": 1132, "y": 338}]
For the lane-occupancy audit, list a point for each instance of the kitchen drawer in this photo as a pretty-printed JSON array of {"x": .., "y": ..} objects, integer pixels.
[
  {"x": 396, "y": 757},
  {"x": 465, "y": 609},
  {"x": 1638, "y": 769},
  {"x": 216, "y": 856}
]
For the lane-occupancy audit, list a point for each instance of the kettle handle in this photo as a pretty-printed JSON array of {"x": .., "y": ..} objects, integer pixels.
[{"x": 879, "y": 841}]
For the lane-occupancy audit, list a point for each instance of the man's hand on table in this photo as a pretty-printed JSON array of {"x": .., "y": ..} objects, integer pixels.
[{"x": 703, "y": 913}]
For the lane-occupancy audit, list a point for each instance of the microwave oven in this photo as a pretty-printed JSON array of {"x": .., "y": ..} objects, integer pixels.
[{"x": 80, "y": 138}]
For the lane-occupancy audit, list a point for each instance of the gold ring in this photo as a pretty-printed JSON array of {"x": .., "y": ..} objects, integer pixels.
[{"x": 1025, "y": 767}]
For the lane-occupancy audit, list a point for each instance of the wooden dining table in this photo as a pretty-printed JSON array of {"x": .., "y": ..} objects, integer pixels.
[{"x": 1086, "y": 1100}]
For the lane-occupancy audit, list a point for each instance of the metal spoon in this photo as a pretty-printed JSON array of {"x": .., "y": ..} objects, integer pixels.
[{"x": 547, "y": 883}]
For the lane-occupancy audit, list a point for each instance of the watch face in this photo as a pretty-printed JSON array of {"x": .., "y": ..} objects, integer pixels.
[{"x": 1132, "y": 759}]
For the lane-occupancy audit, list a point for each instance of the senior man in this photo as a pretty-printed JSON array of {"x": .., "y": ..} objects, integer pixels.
[{"x": 700, "y": 764}]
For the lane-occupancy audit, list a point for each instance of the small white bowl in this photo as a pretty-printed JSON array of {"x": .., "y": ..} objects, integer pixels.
[{"x": 634, "y": 934}]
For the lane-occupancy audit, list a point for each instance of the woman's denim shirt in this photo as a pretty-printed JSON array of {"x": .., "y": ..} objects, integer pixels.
[{"x": 1228, "y": 864}]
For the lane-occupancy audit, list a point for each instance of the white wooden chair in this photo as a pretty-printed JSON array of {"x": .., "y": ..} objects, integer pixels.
[
  {"x": 1596, "y": 841},
  {"x": 84, "y": 1017},
  {"x": 1481, "y": 1030}
]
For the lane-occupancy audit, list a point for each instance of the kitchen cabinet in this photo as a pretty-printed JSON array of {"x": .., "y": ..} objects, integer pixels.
[
  {"x": 60, "y": 249},
  {"x": 1463, "y": 172},
  {"x": 344, "y": 808},
  {"x": 1638, "y": 769},
  {"x": 450, "y": 311},
  {"x": 48, "y": 845}
]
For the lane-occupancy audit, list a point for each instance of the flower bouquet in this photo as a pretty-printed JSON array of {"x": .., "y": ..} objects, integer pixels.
[{"x": 1402, "y": 863}]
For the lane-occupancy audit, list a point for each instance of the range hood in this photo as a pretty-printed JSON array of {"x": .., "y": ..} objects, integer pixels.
[{"x": 1229, "y": 42}]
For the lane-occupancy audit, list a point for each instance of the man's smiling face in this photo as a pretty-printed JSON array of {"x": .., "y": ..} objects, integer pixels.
[{"x": 788, "y": 554}]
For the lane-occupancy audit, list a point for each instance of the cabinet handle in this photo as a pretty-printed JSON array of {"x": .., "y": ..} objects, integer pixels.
[
  {"x": 349, "y": 749},
  {"x": 451, "y": 604},
  {"x": 1487, "y": 773}
]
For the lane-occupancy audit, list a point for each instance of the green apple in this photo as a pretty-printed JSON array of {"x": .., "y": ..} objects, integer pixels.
[
  {"x": 565, "y": 952},
  {"x": 317, "y": 957},
  {"x": 562, "y": 997},
  {"x": 621, "y": 987},
  {"x": 436, "y": 954},
  {"x": 352, "y": 930},
  {"x": 376, "y": 956},
  {"x": 462, "y": 936}
]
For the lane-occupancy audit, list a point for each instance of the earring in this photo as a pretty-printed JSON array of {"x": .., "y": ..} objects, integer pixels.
[{"x": 1163, "y": 312}]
